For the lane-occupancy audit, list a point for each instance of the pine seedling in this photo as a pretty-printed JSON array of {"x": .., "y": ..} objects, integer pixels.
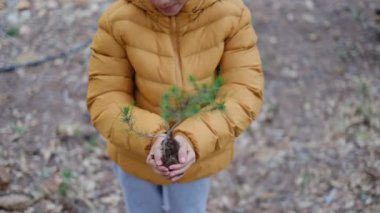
[{"x": 177, "y": 105}]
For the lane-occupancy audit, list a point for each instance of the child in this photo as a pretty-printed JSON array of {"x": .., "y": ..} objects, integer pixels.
[{"x": 141, "y": 49}]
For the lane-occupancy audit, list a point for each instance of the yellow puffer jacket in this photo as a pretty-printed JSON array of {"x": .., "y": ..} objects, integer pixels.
[{"x": 137, "y": 54}]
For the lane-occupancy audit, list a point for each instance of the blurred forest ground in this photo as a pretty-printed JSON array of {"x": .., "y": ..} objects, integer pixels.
[{"x": 314, "y": 148}]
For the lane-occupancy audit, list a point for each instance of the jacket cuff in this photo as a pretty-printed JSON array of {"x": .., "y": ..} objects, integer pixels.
[{"x": 192, "y": 141}]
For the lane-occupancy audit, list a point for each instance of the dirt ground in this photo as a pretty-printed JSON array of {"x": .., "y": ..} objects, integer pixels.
[{"x": 314, "y": 148}]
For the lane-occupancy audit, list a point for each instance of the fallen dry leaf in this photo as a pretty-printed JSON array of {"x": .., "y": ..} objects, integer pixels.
[
  {"x": 5, "y": 178},
  {"x": 3, "y": 4},
  {"x": 112, "y": 199},
  {"x": 15, "y": 202},
  {"x": 267, "y": 196},
  {"x": 23, "y": 5}
]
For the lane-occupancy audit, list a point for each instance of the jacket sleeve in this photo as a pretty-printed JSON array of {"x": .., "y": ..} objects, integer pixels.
[
  {"x": 242, "y": 92},
  {"x": 110, "y": 88}
]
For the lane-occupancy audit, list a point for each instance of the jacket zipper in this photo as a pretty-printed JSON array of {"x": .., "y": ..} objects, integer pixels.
[{"x": 176, "y": 46}]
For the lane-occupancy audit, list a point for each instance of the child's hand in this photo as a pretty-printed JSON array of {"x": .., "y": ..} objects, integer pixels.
[
  {"x": 186, "y": 157},
  {"x": 154, "y": 157}
]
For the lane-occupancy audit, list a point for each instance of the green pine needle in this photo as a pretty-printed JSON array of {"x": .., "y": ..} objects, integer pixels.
[{"x": 177, "y": 105}]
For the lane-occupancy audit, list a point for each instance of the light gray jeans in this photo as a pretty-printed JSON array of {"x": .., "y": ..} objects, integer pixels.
[{"x": 144, "y": 197}]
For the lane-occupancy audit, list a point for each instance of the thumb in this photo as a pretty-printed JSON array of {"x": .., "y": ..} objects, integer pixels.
[
  {"x": 157, "y": 152},
  {"x": 157, "y": 155},
  {"x": 182, "y": 152}
]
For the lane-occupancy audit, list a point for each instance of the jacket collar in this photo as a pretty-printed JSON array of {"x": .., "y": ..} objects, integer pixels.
[
  {"x": 190, "y": 7},
  {"x": 188, "y": 13}
]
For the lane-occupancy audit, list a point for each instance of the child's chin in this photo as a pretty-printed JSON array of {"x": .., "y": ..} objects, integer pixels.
[{"x": 172, "y": 12}]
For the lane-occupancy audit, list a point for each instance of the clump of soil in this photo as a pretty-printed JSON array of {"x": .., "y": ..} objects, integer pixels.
[{"x": 170, "y": 150}]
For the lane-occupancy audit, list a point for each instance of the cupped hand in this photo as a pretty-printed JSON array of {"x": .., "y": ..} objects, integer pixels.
[
  {"x": 186, "y": 157},
  {"x": 154, "y": 157}
]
